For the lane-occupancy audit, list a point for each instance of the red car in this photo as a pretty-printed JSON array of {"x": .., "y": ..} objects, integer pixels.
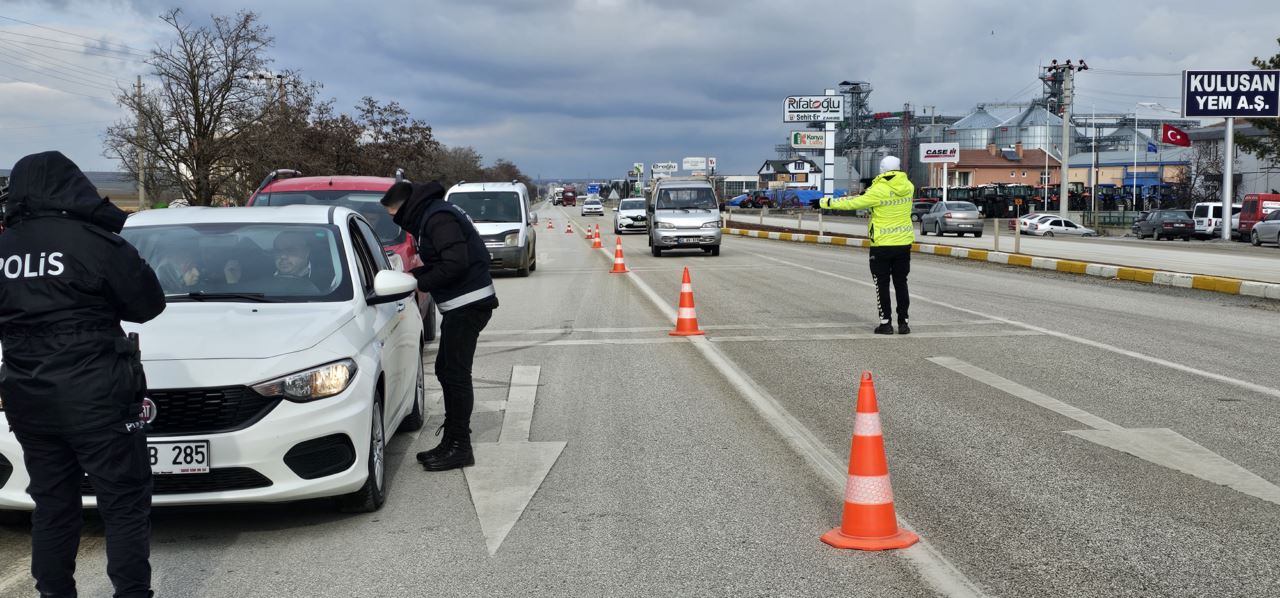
[{"x": 360, "y": 193}]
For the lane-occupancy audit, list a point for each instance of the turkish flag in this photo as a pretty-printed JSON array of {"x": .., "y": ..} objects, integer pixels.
[{"x": 1175, "y": 136}]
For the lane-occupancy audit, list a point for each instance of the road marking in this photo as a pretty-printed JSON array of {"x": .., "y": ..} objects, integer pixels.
[
  {"x": 933, "y": 567},
  {"x": 781, "y": 326},
  {"x": 1250, "y": 386},
  {"x": 1160, "y": 446},
  {"x": 509, "y": 472},
  {"x": 868, "y": 336}
]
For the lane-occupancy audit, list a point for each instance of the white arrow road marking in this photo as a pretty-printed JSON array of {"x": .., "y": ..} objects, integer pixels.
[
  {"x": 508, "y": 473},
  {"x": 1161, "y": 446}
]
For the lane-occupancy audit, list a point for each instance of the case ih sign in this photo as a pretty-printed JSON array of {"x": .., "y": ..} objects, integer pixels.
[{"x": 939, "y": 153}]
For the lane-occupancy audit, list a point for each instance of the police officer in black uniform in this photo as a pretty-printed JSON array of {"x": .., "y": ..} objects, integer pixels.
[
  {"x": 72, "y": 381},
  {"x": 455, "y": 271}
]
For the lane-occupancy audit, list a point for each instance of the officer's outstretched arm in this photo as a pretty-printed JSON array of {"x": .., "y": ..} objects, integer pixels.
[
  {"x": 870, "y": 199},
  {"x": 132, "y": 285}
]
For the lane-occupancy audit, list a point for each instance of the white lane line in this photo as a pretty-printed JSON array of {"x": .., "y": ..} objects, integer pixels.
[
  {"x": 1250, "y": 386},
  {"x": 868, "y": 336},
  {"x": 933, "y": 567},
  {"x": 1160, "y": 446},
  {"x": 781, "y": 326}
]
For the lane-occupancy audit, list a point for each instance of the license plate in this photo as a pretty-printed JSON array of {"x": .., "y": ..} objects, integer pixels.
[
  {"x": 966, "y": 226},
  {"x": 688, "y": 239},
  {"x": 169, "y": 458}
]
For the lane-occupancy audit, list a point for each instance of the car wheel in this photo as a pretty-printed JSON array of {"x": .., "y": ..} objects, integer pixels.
[
  {"x": 416, "y": 418},
  {"x": 714, "y": 251},
  {"x": 616, "y": 230},
  {"x": 937, "y": 228},
  {"x": 924, "y": 232},
  {"x": 429, "y": 321},
  {"x": 656, "y": 251},
  {"x": 1253, "y": 238},
  {"x": 1048, "y": 233},
  {"x": 372, "y": 494},
  {"x": 915, "y": 218},
  {"x": 523, "y": 271}
]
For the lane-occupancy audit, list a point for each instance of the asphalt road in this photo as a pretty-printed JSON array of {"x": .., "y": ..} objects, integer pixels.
[
  {"x": 1214, "y": 258},
  {"x": 710, "y": 467}
]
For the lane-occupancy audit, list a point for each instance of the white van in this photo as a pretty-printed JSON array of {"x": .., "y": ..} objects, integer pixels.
[
  {"x": 1208, "y": 217},
  {"x": 501, "y": 213}
]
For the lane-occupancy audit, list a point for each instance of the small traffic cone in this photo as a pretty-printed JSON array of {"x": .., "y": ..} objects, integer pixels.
[
  {"x": 550, "y": 225},
  {"x": 869, "y": 521},
  {"x": 568, "y": 227},
  {"x": 686, "y": 319},
  {"x": 590, "y": 233},
  {"x": 595, "y": 240},
  {"x": 619, "y": 266}
]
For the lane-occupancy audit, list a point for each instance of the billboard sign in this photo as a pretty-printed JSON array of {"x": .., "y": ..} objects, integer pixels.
[
  {"x": 693, "y": 164},
  {"x": 637, "y": 170},
  {"x": 664, "y": 167},
  {"x": 939, "y": 153},
  {"x": 1226, "y": 94},
  {"x": 808, "y": 139},
  {"x": 808, "y": 109},
  {"x": 711, "y": 163}
]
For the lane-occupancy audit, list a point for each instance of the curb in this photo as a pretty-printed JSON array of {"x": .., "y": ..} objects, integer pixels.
[{"x": 1217, "y": 284}]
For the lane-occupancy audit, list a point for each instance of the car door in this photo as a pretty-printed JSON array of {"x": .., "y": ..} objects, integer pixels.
[
  {"x": 381, "y": 320},
  {"x": 1071, "y": 228}
]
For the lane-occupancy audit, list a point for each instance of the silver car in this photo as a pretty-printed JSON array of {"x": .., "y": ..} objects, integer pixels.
[
  {"x": 683, "y": 213},
  {"x": 1267, "y": 230},
  {"x": 958, "y": 217},
  {"x": 629, "y": 216},
  {"x": 593, "y": 206}
]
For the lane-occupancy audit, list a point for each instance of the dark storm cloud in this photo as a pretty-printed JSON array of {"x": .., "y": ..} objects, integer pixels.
[{"x": 565, "y": 87}]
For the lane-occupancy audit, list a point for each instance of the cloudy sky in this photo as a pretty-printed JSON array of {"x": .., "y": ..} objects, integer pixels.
[{"x": 571, "y": 88}]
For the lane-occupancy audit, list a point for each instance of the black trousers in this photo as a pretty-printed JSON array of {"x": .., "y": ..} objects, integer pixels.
[
  {"x": 891, "y": 264},
  {"x": 459, "y": 330},
  {"x": 118, "y": 464}
]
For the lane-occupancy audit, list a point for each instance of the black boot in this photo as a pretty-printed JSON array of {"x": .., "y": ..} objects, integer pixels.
[
  {"x": 425, "y": 456},
  {"x": 885, "y": 328},
  {"x": 903, "y": 328},
  {"x": 453, "y": 454}
]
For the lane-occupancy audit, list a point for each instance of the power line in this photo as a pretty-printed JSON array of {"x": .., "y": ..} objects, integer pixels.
[
  {"x": 70, "y": 70},
  {"x": 77, "y": 48},
  {"x": 80, "y": 82},
  {"x": 1132, "y": 95},
  {"x": 1114, "y": 72},
  {"x": 58, "y": 89},
  {"x": 58, "y": 125},
  {"x": 125, "y": 46}
]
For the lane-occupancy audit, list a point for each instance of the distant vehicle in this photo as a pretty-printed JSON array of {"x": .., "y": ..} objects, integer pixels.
[
  {"x": 1026, "y": 220},
  {"x": 1208, "y": 217},
  {"x": 921, "y": 206},
  {"x": 759, "y": 198},
  {"x": 500, "y": 212},
  {"x": 1160, "y": 224},
  {"x": 683, "y": 213},
  {"x": 569, "y": 197},
  {"x": 957, "y": 217},
  {"x": 1052, "y": 227},
  {"x": 1267, "y": 231},
  {"x": 1255, "y": 209},
  {"x": 629, "y": 216},
  {"x": 592, "y": 206}
]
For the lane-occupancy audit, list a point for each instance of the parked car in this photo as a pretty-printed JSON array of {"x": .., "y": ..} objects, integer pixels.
[
  {"x": 266, "y": 386},
  {"x": 360, "y": 193},
  {"x": 683, "y": 213},
  {"x": 1052, "y": 227},
  {"x": 1160, "y": 224},
  {"x": 593, "y": 207},
  {"x": 502, "y": 216},
  {"x": 958, "y": 217},
  {"x": 1267, "y": 231},
  {"x": 1208, "y": 217},
  {"x": 629, "y": 216},
  {"x": 919, "y": 207}
]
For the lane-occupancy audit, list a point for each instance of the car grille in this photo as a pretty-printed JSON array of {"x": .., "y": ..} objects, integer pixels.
[
  {"x": 6, "y": 470},
  {"x": 207, "y": 410},
  {"x": 217, "y": 480},
  {"x": 321, "y": 456}
]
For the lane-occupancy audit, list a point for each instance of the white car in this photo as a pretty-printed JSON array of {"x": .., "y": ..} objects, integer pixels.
[
  {"x": 1025, "y": 221},
  {"x": 1050, "y": 227},
  {"x": 593, "y": 207},
  {"x": 281, "y": 372},
  {"x": 629, "y": 216}
]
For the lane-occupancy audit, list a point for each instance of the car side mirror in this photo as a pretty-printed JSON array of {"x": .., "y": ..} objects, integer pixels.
[
  {"x": 533, "y": 219},
  {"x": 615, "y": 209},
  {"x": 389, "y": 286}
]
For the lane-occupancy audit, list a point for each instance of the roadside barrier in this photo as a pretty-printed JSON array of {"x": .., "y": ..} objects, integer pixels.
[
  {"x": 1217, "y": 284},
  {"x": 686, "y": 318},
  {"x": 619, "y": 266},
  {"x": 869, "y": 521}
]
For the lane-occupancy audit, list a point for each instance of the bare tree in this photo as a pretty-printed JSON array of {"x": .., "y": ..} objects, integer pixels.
[{"x": 205, "y": 103}]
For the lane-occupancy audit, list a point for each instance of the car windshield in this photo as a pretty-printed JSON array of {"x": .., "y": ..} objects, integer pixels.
[
  {"x": 365, "y": 202},
  {"x": 289, "y": 263},
  {"x": 962, "y": 206},
  {"x": 592, "y": 202},
  {"x": 488, "y": 206},
  {"x": 632, "y": 204},
  {"x": 689, "y": 198}
]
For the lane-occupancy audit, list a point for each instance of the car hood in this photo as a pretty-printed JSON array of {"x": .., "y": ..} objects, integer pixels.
[
  {"x": 693, "y": 217},
  {"x": 225, "y": 330},
  {"x": 487, "y": 229},
  {"x": 631, "y": 213}
]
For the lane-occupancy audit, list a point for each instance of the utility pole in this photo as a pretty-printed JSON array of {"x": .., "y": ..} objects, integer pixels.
[
  {"x": 1068, "y": 71},
  {"x": 906, "y": 139},
  {"x": 140, "y": 148}
]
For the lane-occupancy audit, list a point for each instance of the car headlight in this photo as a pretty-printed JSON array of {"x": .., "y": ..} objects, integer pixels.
[
  {"x": 712, "y": 224},
  {"x": 666, "y": 225},
  {"x": 512, "y": 239},
  {"x": 319, "y": 382}
]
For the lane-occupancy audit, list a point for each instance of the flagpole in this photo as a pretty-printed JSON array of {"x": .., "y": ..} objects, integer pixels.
[
  {"x": 1160, "y": 159},
  {"x": 1093, "y": 168}
]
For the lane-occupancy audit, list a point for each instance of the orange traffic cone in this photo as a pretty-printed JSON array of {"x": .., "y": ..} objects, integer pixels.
[
  {"x": 568, "y": 227},
  {"x": 550, "y": 225},
  {"x": 869, "y": 521},
  {"x": 686, "y": 319},
  {"x": 590, "y": 233},
  {"x": 619, "y": 266},
  {"x": 595, "y": 239}
]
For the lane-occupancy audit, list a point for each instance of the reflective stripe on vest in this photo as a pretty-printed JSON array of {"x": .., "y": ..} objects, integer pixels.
[{"x": 467, "y": 299}]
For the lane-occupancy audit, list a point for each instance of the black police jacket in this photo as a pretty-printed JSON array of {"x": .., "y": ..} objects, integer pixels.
[{"x": 67, "y": 280}]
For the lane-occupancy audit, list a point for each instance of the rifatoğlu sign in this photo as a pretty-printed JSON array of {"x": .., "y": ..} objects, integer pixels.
[
  {"x": 1223, "y": 94},
  {"x": 804, "y": 109}
]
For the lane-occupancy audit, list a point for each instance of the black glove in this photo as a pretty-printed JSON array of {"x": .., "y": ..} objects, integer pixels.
[
  {"x": 815, "y": 203},
  {"x": 418, "y": 271}
]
